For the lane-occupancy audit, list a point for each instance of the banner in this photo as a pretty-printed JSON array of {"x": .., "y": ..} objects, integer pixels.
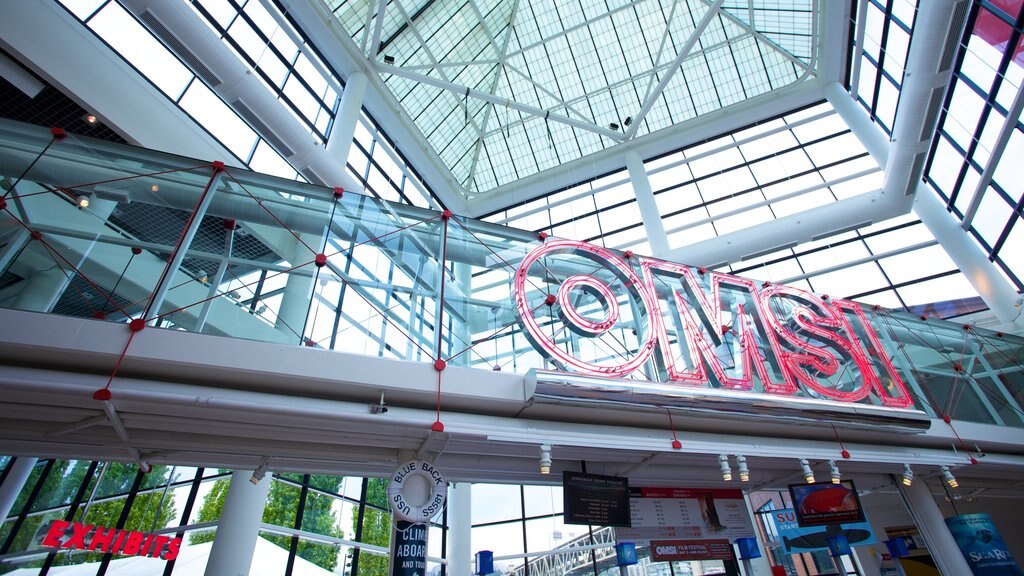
[
  {"x": 982, "y": 546},
  {"x": 796, "y": 539}
]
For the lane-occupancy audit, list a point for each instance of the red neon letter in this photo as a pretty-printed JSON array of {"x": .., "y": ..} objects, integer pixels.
[{"x": 56, "y": 531}]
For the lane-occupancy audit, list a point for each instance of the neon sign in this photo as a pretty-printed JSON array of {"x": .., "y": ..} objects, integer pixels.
[
  {"x": 613, "y": 316},
  {"x": 78, "y": 536}
]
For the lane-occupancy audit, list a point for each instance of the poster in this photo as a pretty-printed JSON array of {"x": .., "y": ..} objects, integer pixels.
[
  {"x": 795, "y": 539},
  {"x": 822, "y": 504},
  {"x": 687, "y": 523},
  {"x": 982, "y": 546}
]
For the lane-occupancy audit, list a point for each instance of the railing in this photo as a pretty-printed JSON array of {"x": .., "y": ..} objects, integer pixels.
[{"x": 192, "y": 245}]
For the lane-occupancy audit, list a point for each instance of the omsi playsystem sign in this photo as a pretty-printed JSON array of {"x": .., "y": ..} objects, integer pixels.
[{"x": 640, "y": 331}]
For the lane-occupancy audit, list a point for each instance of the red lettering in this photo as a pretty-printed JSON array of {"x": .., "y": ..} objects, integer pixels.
[
  {"x": 158, "y": 545},
  {"x": 102, "y": 538},
  {"x": 133, "y": 543},
  {"x": 173, "y": 547},
  {"x": 77, "y": 539},
  {"x": 118, "y": 541},
  {"x": 56, "y": 531}
]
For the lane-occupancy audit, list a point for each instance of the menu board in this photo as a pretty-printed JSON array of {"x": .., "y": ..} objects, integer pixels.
[
  {"x": 688, "y": 522},
  {"x": 595, "y": 500}
]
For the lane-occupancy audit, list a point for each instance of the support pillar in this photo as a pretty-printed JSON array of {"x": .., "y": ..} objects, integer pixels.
[
  {"x": 239, "y": 526},
  {"x": 928, "y": 518},
  {"x": 968, "y": 256},
  {"x": 460, "y": 524},
  {"x": 298, "y": 290},
  {"x": 41, "y": 291},
  {"x": 344, "y": 128},
  {"x": 20, "y": 470},
  {"x": 653, "y": 225}
]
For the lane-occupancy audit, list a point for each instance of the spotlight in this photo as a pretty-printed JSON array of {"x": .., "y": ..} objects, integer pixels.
[
  {"x": 627, "y": 121},
  {"x": 389, "y": 59},
  {"x": 908, "y": 475},
  {"x": 545, "y": 459},
  {"x": 154, "y": 188},
  {"x": 260, "y": 471},
  {"x": 834, "y": 472},
  {"x": 202, "y": 277},
  {"x": 949, "y": 478},
  {"x": 723, "y": 464},
  {"x": 82, "y": 201},
  {"x": 90, "y": 119},
  {"x": 808, "y": 473},
  {"x": 741, "y": 465},
  {"x": 613, "y": 126}
]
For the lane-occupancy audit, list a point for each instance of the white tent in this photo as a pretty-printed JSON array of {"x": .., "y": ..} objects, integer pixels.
[{"x": 268, "y": 560}]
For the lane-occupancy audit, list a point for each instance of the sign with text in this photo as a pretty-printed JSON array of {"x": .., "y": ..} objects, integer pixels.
[
  {"x": 796, "y": 539},
  {"x": 409, "y": 549},
  {"x": 688, "y": 521},
  {"x": 78, "y": 536},
  {"x": 673, "y": 550},
  {"x": 823, "y": 504},
  {"x": 594, "y": 499},
  {"x": 982, "y": 546},
  {"x": 697, "y": 329}
]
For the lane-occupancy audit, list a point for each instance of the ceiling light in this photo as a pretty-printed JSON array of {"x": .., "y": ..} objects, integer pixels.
[
  {"x": 154, "y": 188},
  {"x": 741, "y": 465},
  {"x": 260, "y": 471},
  {"x": 82, "y": 201},
  {"x": 834, "y": 472},
  {"x": 808, "y": 473},
  {"x": 723, "y": 464},
  {"x": 908, "y": 475},
  {"x": 949, "y": 478},
  {"x": 627, "y": 121},
  {"x": 613, "y": 126},
  {"x": 545, "y": 459},
  {"x": 389, "y": 59},
  {"x": 90, "y": 119}
]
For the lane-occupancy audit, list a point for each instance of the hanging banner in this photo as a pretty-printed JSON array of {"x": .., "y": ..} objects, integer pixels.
[
  {"x": 795, "y": 539},
  {"x": 982, "y": 546},
  {"x": 409, "y": 549}
]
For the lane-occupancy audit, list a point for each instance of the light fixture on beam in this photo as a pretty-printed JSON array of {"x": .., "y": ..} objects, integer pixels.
[
  {"x": 82, "y": 201},
  {"x": 908, "y": 475},
  {"x": 545, "y": 459},
  {"x": 808, "y": 473},
  {"x": 260, "y": 471},
  {"x": 741, "y": 466},
  {"x": 949, "y": 478},
  {"x": 723, "y": 464},
  {"x": 834, "y": 472}
]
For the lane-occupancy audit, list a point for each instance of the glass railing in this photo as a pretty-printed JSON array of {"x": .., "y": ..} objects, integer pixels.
[{"x": 188, "y": 245}]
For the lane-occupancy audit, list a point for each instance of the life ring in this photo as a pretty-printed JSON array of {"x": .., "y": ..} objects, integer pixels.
[{"x": 417, "y": 491}]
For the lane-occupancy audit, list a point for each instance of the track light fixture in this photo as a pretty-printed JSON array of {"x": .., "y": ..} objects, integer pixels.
[
  {"x": 741, "y": 465},
  {"x": 908, "y": 475},
  {"x": 808, "y": 473},
  {"x": 723, "y": 464},
  {"x": 949, "y": 478},
  {"x": 260, "y": 471},
  {"x": 545, "y": 459},
  {"x": 82, "y": 201},
  {"x": 834, "y": 472}
]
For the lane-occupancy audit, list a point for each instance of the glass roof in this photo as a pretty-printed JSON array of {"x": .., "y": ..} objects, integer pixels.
[{"x": 504, "y": 89}]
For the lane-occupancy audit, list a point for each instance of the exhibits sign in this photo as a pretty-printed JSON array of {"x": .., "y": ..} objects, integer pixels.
[{"x": 78, "y": 536}]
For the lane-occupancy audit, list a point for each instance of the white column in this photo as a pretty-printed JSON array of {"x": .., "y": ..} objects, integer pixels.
[
  {"x": 928, "y": 518},
  {"x": 648, "y": 207},
  {"x": 41, "y": 290},
  {"x": 344, "y": 128},
  {"x": 969, "y": 257},
  {"x": 15, "y": 481},
  {"x": 239, "y": 526},
  {"x": 460, "y": 523},
  {"x": 298, "y": 289}
]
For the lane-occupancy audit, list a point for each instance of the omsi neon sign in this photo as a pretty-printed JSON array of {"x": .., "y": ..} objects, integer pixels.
[{"x": 593, "y": 312}]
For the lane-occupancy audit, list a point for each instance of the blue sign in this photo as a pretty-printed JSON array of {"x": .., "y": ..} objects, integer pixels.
[
  {"x": 796, "y": 539},
  {"x": 984, "y": 549},
  {"x": 625, "y": 554}
]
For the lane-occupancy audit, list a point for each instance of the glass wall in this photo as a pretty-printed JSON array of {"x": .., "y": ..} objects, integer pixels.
[{"x": 285, "y": 262}]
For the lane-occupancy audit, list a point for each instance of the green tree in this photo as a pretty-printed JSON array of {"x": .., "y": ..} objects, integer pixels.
[
  {"x": 376, "y": 528},
  {"x": 281, "y": 509}
]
